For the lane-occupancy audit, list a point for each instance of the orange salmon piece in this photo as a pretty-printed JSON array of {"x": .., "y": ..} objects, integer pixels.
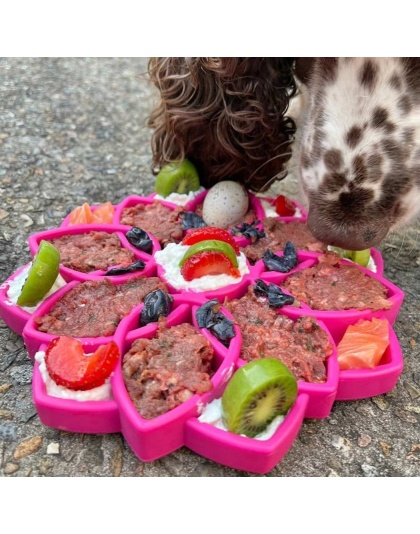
[
  {"x": 363, "y": 344},
  {"x": 103, "y": 213},
  {"x": 81, "y": 215}
]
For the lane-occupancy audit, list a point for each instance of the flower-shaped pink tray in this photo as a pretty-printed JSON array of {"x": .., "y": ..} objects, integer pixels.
[{"x": 152, "y": 439}]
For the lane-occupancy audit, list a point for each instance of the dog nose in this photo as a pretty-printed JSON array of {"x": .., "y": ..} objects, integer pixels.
[{"x": 357, "y": 236}]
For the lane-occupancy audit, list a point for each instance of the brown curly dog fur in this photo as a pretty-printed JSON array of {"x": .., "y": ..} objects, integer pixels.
[{"x": 227, "y": 115}]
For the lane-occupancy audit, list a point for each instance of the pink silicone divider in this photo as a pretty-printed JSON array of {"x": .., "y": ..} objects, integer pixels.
[
  {"x": 66, "y": 220},
  {"x": 71, "y": 274},
  {"x": 356, "y": 384},
  {"x": 338, "y": 321},
  {"x": 13, "y": 315},
  {"x": 153, "y": 438},
  {"x": 88, "y": 417},
  {"x": 230, "y": 291},
  {"x": 302, "y": 216},
  {"x": 241, "y": 452}
]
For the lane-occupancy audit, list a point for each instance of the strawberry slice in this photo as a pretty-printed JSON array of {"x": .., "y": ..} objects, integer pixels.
[
  {"x": 69, "y": 366},
  {"x": 210, "y": 232},
  {"x": 208, "y": 263},
  {"x": 284, "y": 207}
]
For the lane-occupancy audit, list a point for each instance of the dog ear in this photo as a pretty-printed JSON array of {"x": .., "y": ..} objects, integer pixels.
[{"x": 303, "y": 69}]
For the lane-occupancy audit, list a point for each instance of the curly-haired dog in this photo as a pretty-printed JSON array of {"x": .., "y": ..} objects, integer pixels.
[
  {"x": 357, "y": 144},
  {"x": 228, "y": 115}
]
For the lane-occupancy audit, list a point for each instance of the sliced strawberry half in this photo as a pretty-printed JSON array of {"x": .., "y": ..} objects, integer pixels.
[
  {"x": 208, "y": 263},
  {"x": 284, "y": 207},
  {"x": 210, "y": 232},
  {"x": 69, "y": 366}
]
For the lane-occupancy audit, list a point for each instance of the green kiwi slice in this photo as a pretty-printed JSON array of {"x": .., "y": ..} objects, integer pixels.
[
  {"x": 360, "y": 257},
  {"x": 177, "y": 177},
  {"x": 256, "y": 394},
  {"x": 41, "y": 275}
]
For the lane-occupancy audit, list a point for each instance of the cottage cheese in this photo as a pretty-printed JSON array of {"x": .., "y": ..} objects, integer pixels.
[
  {"x": 95, "y": 394},
  {"x": 15, "y": 288},
  {"x": 180, "y": 200},
  {"x": 212, "y": 415},
  {"x": 169, "y": 259}
]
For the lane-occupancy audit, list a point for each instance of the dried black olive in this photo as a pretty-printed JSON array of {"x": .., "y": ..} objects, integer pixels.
[
  {"x": 191, "y": 220},
  {"x": 156, "y": 304},
  {"x": 281, "y": 264},
  {"x": 136, "y": 266},
  {"x": 209, "y": 316},
  {"x": 139, "y": 239},
  {"x": 276, "y": 297},
  {"x": 248, "y": 230}
]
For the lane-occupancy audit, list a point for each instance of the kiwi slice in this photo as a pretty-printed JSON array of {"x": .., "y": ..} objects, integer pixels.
[
  {"x": 256, "y": 394},
  {"x": 361, "y": 257},
  {"x": 177, "y": 177},
  {"x": 41, "y": 275}
]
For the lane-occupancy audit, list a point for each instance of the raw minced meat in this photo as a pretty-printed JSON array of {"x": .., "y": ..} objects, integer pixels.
[
  {"x": 334, "y": 285},
  {"x": 93, "y": 309},
  {"x": 92, "y": 251},
  {"x": 302, "y": 345},
  {"x": 164, "y": 223},
  {"x": 163, "y": 372},
  {"x": 277, "y": 233}
]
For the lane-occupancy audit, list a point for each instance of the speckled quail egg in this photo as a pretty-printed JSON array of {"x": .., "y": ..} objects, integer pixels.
[{"x": 225, "y": 204}]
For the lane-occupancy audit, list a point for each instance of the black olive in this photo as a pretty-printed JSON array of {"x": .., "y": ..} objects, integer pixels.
[
  {"x": 281, "y": 264},
  {"x": 191, "y": 220},
  {"x": 248, "y": 230},
  {"x": 209, "y": 316},
  {"x": 276, "y": 297},
  {"x": 136, "y": 266},
  {"x": 157, "y": 303},
  {"x": 139, "y": 239}
]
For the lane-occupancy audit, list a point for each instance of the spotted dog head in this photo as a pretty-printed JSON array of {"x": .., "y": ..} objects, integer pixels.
[{"x": 360, "y": 148}]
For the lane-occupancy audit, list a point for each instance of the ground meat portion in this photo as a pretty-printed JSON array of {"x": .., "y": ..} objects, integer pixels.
[
  {"x": 156, "y": 219},
  {"x": 332, "y": 285},
  {"x": 302, "y": 345},
  {"x": 92, "y": 309},
  {"x": 277, "y": 233},
  {"x": 163, "y": 372},
  {"x": 92, "y": 251}
]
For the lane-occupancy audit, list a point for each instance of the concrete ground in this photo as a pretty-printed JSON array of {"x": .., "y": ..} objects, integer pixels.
[{"x": 73, "y": 130}]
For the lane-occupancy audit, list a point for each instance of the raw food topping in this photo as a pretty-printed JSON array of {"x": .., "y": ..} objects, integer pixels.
[{"x": 69, "y": 366}]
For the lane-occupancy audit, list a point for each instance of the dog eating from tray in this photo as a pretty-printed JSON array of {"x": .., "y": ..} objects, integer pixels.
[{"x": 212, "y": 221}]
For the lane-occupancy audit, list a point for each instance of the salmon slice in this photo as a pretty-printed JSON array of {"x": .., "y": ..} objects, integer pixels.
[
  {"x": 81, "y": 215},
  {"x": 104, "y": 213},
  {"x": 363, "y": 344}
]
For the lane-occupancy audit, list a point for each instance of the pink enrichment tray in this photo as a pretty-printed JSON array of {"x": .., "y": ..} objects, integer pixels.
[{"x": 151, "y": 439}]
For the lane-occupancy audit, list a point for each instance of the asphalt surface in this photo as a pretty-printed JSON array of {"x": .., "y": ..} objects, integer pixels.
[{"x": 74, "y": 130}]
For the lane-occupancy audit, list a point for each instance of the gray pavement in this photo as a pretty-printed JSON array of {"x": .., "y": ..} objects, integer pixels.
[{"x": 73, "y": 130}]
